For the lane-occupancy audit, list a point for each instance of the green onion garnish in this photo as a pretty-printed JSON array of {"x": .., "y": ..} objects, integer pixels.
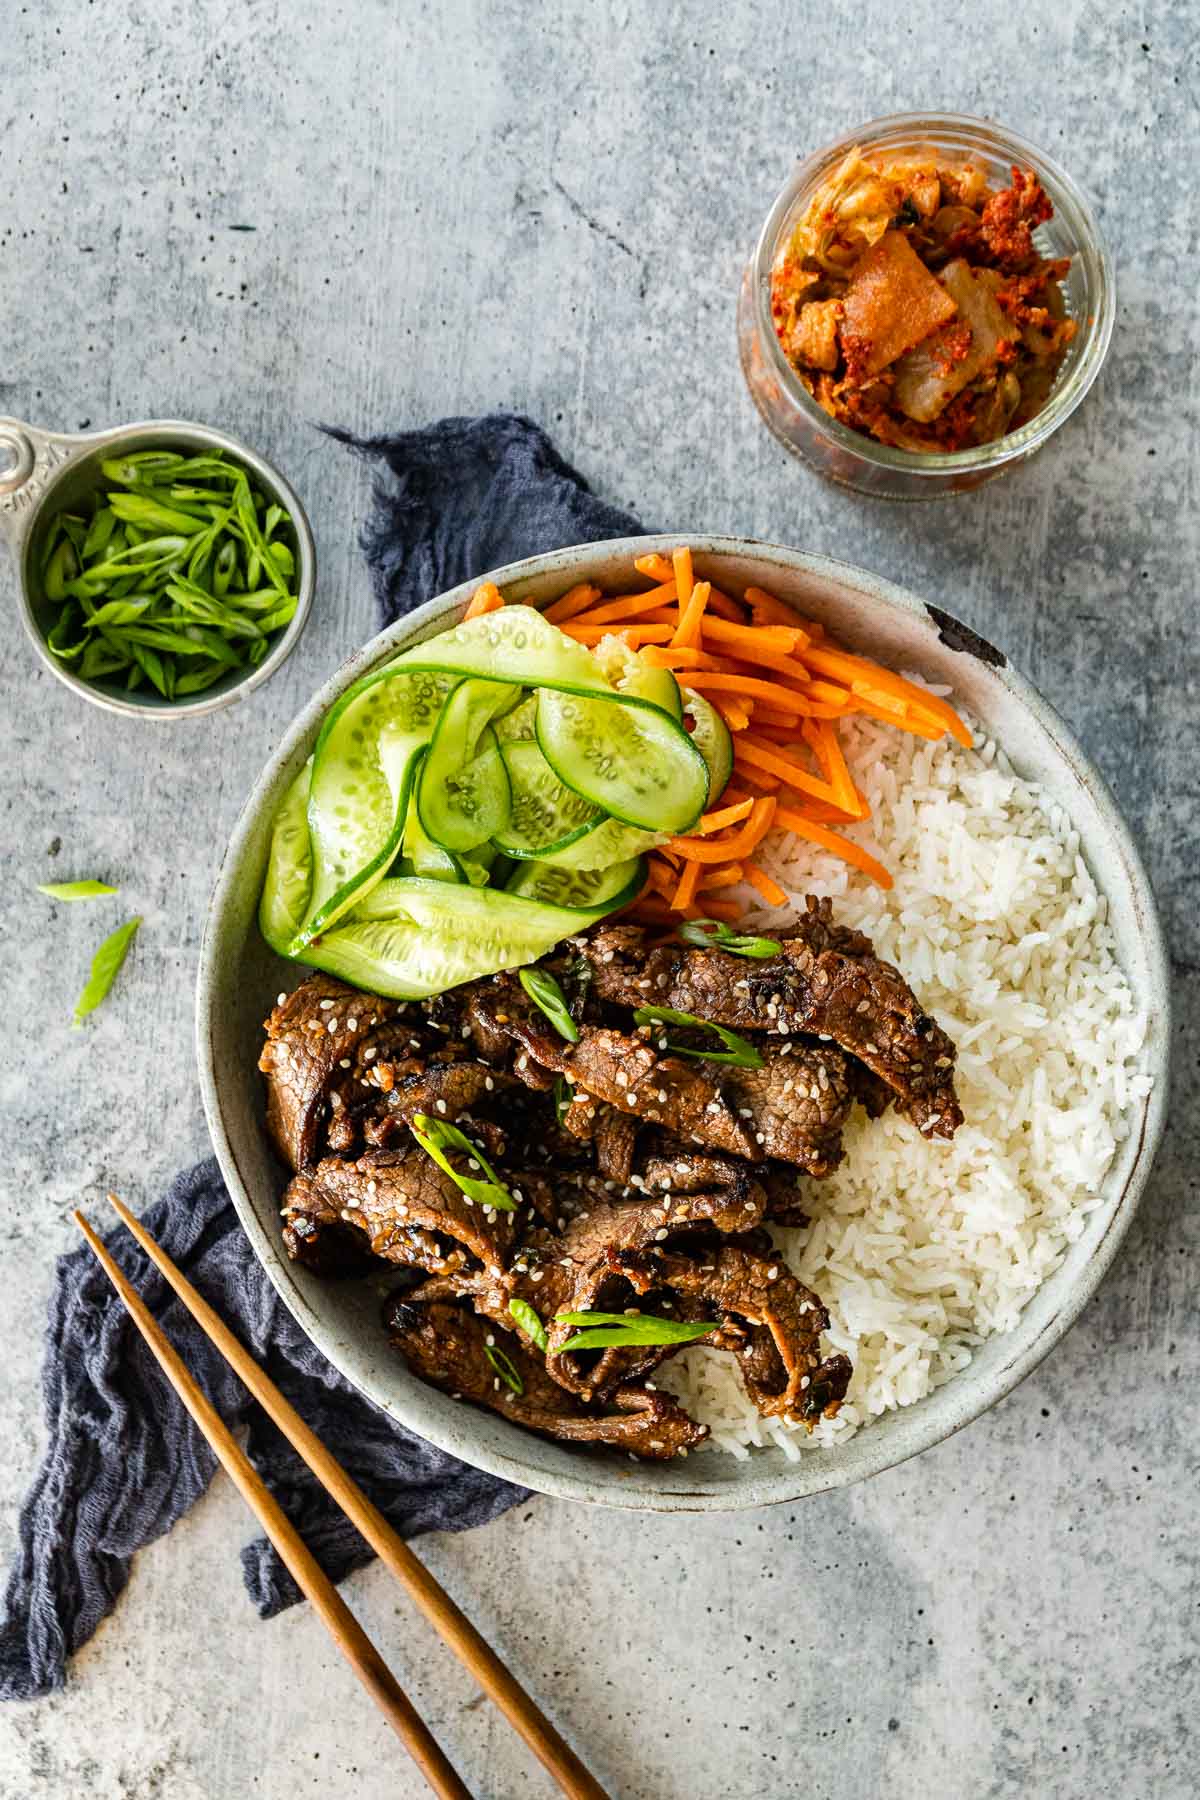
[
  {"x": 563, "y": 1097},
  {"x": 75, "y": 890},
  {"x": 435, "y": 1136},
  {"x": 176, "y": 582},
  {"x": 545, "y": 993},
  {"x": 106, "y": 965},
  {"x": 602, "y": 1330},
  {"x": 505, "y": 1368},
  {"x": 738, "y": 1051},
  {"x": 530, "y": 1323},
  {"x": 708, "y": 934}
]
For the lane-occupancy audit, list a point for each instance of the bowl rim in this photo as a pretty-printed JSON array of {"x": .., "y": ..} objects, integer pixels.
[{"x": 924, "y": 1424}]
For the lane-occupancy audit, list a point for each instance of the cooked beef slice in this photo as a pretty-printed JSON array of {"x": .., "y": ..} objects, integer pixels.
[
  {"x": 826, "y": 982},
  {"x": 612, "y": 1135},
  {"x": 797, "y": 1104},
  {"x": 315, "y": 1236},
  {"x": 744, "y": 1292},
  {"x": 322, "y": 1041},
  {"x": 447, "y": 1345},
  {"x": 389, "y": 1194}
]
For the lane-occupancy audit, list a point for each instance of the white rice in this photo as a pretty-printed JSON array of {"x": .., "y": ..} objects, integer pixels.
[{"x": 921, "y": 1250}]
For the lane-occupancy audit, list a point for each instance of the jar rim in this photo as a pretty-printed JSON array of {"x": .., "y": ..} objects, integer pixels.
[{"x": 1069, "y": 201}]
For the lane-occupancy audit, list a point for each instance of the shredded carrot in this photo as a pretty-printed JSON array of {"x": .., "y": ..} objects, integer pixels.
[
  {"x": 726, "y": 607},
  {"x": 689, "y": 881},
  {"x": 736, "y": 713},
  {"x": 628, "y": 606},
  {"x": 765, "y": 609},
  {"x": 486, "y": 598},
  {"x": 833, "y": 841},
  {"x": 762, "y": 755},
  {"x": 750, "y": 641},
  {"x": 731, "y": 849},
  {"x": 786, "y": 699},
  {"x": 575, "y": 600},
  {"x": 770, "y": 890},
  {"x": 657, "y": 567},
  {"x": 726, "y": 875},
  {"x": 633, "y": 635},
  {"x": 667, "y": 657},
  {"x": 725, "y": 815},
  {"x": 851, "y": 669},
  {"x": 705, "y": 908},
  {"x": 829, "y": 753},
  {"x": 767, "y": 719},
  {"x": 691, "y": 617},
  {"x": 681, "y": 563}
]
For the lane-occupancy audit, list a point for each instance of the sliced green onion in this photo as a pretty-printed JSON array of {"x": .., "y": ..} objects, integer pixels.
[
  {"x": 505, "y": 1368},
  {"x": 75, "y": 890},
  {"x": 738, "y": 1051},
  {"x": 563, "y": 1097},
  {"x": 106, "y": 965},
  {"x": 545, "y": 993},
  {"x": 530, "y": 1323},
  {"x": 708, "y": 934},
  {"x": 604, "y": 1330},
  {"x": 435, "y": 1136}
]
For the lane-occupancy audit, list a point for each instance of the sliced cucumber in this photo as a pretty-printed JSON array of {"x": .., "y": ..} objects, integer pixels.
[
  {"x": 517, "y": 726},
  {"x": 421, "y": 855},
  {"x": 545, "y": 815},
  {"x": 629, "y": 674},
  {"x": 609, "y": 843},
  {"x": 579, "y": 889},
  {"x": 413, "y": 938},
  {"x": 710, "y": 734},
  {"x": 463, "y": 788},
  {"x": 358, "y": 800},
  {"x": 289, "y": 867},
  {"x": 514, "y": 643},
  {"x": 634, "y": 762}
]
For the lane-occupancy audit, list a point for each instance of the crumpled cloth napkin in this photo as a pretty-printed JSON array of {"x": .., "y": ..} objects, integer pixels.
[{"x": 124, "y": 1461}]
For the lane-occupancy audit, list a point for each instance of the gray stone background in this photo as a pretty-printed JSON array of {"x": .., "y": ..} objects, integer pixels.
[{"x": 458, "y": 207}]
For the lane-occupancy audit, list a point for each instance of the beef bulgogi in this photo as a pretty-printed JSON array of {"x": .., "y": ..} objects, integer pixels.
[{"x": 511, "y": 1173}]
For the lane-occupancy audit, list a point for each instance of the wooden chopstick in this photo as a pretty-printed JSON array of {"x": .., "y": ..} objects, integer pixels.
[
  {"x": 473, "y": 1651},
  {"x": 336, "y": 1616}
]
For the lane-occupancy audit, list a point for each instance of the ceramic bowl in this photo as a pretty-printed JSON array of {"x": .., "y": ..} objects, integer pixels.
[{"x": 239, "y": 979}]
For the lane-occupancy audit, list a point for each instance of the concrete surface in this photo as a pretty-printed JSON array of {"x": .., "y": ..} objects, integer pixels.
[{"x": 457, "y": 207}]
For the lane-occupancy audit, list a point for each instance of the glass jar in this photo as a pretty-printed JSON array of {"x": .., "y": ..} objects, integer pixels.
[{"x": 858, "y": 461}]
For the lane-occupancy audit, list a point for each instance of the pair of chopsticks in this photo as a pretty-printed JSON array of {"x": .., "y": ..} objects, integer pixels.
[{"x": 473, "y": 1652}]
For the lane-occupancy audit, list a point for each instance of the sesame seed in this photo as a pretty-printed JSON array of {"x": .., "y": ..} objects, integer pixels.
[
  {"x": 325, "y": 1005},
  {"x": 279, "y": 999},
  {"x": 372, "y": 1187},
  {"x": 662, "y": 1096},
  {"x": 344, "y": 1063},
  {"x": 660, "y": 1235},
  {"x": 759, "y": 1138},
  {"x": 352, "y": 1024},
  {"x": 772, "y": 1273},
  {"x": 622, "y": 1078},
  {"x": 804, "y": 1381},
  {"x": 537, "y": 1274},
  {"x": 490, "y": 1339},
  {"x": 441, "y": 1105},
  {"x": 331, "y": 1027}
]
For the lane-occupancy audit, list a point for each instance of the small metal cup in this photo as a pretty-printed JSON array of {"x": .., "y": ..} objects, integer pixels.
[{"x": 44, "y": 472}]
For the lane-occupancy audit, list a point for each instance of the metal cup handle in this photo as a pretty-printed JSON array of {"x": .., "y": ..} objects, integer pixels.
[{"x": 29, "y": 459}]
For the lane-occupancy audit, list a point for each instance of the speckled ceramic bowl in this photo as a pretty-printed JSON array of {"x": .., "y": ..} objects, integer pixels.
[{"x": 239, "y": 978}]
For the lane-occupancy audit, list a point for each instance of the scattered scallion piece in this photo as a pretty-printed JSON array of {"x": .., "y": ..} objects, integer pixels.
[
  {"x": 505, "y": 1368},
  {"x": 738, "y": 1051},
  {"x": 106, "y": 966},
  {"x": 530, "y": 1323},
  {"x": 562, "y": 1096},
  {"x": 175, "y": 582},
  {"x": 603, "y": 1330},
  {"x": 710, "y": 934},
  {"x": 75, "y": 890},
  {"x": 436, "y": 1136},
  {"x": 545, "y": 993}
]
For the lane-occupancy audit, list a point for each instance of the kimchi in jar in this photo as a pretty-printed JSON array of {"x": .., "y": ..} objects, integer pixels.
[{"x": 939, "y": 296}]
